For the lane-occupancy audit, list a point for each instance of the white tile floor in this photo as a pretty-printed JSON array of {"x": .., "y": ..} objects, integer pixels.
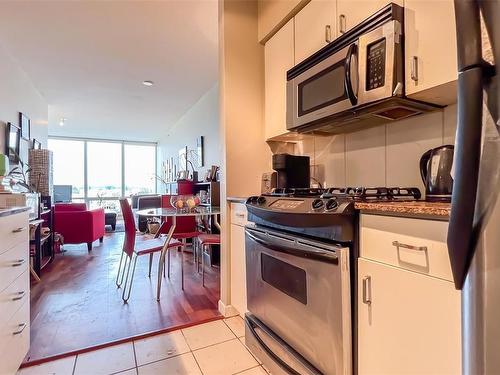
[{"x": 214, "y": 348}]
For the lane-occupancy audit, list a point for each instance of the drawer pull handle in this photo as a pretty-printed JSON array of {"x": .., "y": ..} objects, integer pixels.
[
  {"x": 414, "y": 68},
  {"x": 19, "y": 262},
  {"x": 367, "y": 290},
  {"x": 328, "y": 33},
  {"x": 21, "y": 329},
  {"x": 19, "y": 230},
  {"x": 342, "y": 24},
  {"x": 19, "y": 295},
  {"x": 409, "y": 247},
  {"x": 240, "y": 215}
]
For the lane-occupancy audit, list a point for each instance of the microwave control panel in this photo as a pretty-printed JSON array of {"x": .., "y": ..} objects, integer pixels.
[{"x": 375, "y": 65}]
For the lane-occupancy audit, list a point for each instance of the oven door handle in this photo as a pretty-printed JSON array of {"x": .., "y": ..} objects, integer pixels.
[
  {"x": 252, "y": 324},
  {"x": 291, "y": 247},
  {"x": 348, "y": 79}
]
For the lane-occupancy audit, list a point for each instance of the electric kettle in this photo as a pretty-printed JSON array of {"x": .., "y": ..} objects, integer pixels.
[{"x": 435, "y": 169}]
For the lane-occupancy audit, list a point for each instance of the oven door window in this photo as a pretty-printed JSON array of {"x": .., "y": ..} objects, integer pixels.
[
  {"x": 323, "y": 89},
  {"x": 285, "y": 277}
]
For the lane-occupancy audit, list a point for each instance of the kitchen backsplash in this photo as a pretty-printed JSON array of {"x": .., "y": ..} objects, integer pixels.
[{"x": 386, "y": 155}]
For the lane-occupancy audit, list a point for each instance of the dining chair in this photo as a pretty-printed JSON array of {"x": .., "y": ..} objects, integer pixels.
[
  {"x": 205, "y": 241},
  {"x": 133, "y": 249},
  {"x": 185, "y": 229}
]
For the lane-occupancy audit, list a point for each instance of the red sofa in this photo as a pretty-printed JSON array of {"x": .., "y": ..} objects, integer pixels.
[{"x": 77, "y": 224}]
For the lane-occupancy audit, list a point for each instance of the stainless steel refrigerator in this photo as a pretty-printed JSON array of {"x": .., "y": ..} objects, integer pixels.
[{"x": 474, "y": 230}]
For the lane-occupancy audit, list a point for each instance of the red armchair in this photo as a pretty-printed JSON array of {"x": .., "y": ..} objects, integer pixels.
[{"x": 77, "y": 224}]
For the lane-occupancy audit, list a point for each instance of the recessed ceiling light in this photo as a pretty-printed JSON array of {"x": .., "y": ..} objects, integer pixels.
[
  {"x": 148, "y": 83},
  {"x": 62, "y": 121}
]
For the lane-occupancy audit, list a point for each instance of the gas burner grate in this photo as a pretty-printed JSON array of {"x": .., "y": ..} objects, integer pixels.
[
  {"x": 374, "y": 193},
  {"x": 297, "y": 192}
]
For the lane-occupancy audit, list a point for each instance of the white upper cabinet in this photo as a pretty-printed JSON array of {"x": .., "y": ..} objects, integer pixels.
[
  {"x": 315, "y": 27},
  {"x": 352, "y": 12},
  {"x": 279, "y": 58},
  {"x": 430, "y": 51}
]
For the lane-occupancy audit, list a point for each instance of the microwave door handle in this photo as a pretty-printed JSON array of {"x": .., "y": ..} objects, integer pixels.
[
  {"x": 291, "y": 247},
  {"x": 351, "y": 52}
]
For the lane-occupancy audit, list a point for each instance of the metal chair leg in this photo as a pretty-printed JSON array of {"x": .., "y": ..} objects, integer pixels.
[
  {"x": 131, "y": 281},
  {"x": 199, "y": 252},
  {"x": 121, "y": 269},
  {"x": 160, "y": 266},
  {"x": 150, "y": 264},
  {"x": 182, "y": 267},
  {"x": 168, "y": 264},
  {"x": 126, "y": 277},
  {"x": 203, "y": 265}
]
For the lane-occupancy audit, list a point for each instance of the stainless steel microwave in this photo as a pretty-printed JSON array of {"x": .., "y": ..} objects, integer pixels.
[{"x": 357, "y": 80}]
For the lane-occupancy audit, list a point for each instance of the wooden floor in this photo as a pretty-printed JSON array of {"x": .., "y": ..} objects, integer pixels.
[{"x": 77, "y": 304}]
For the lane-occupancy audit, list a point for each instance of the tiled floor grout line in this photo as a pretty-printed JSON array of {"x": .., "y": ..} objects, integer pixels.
[
  {"x": 250, "y": 368},
  {"x": 197, "y": 364},
  {"x": 135, "y": 357}
]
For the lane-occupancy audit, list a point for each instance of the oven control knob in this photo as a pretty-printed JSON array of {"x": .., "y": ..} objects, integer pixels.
[
  {"x": 317, "y": 204},
  {"x": 331, "y": 204},
  {"x": 261, "y": 200},
  {"x": 253, "y": 199}
]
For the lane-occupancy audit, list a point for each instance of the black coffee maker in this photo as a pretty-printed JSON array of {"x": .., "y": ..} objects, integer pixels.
[
  {"x": 435, "y": 169},
  {"x": 293, "y": 171}
]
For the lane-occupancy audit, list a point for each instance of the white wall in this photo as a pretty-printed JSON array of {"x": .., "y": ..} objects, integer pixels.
[
  {"x": 17, "y": 94},
  {"x": 201, "y": 119},
  {"x": 386, "y": 155}
]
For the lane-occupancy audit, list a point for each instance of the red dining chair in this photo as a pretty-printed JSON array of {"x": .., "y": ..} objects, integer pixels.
[
  {"x": 133, "y": 249},
  {"x": 185, "y": 229},
  {"x": 206, "y": 240}
]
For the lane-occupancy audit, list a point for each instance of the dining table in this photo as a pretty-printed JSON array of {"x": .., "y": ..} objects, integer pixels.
[{"x": 164, "y": 213}]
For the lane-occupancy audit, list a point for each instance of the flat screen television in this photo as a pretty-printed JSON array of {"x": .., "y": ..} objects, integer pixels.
[
  {"x": 63, "y": 193},
  {"x": 12, "y": 142}
]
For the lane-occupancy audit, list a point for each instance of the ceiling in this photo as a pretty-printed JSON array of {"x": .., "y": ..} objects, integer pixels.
[{"x": 89, "y": 59}]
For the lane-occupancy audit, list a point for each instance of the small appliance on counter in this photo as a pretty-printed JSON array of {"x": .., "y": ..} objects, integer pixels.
[
  {"x": 292, "y": 171},
  {"x": 435, "y": 169},
  {"x": 268, "y": 182}
]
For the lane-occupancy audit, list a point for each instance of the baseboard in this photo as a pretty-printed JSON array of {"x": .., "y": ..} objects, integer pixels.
[{"x": 227, "y": 310}]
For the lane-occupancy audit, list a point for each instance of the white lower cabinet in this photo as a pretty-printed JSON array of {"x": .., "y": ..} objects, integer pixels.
[
  {"x": 238, "y": 263},
  {"x": 14, "y": 291},
  {"x": 408, "y": 323}
]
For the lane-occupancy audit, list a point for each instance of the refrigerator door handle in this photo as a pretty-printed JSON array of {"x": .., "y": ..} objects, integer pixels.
[{"x": 461, "y": 235}]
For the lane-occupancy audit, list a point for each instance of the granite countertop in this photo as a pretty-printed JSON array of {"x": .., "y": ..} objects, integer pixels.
[
  {"x": 237, "y": 199},
  {"x": 410, "y": 209},
  {"x": 12, "y": 210}
]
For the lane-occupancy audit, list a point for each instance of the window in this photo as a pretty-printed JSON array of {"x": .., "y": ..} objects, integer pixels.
[
  {"x": 139, "y": 169},
  {"x": 102, "y": 171},
  {"x": 69, "y": 164}
]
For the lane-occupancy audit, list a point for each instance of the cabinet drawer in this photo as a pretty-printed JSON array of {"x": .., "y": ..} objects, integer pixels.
[
  {"x": 412, "y": 244},
  {"x": 15, "y": 340},
  {"x": 13, "y": 297},
  {"x": 13, "y": 263},
  {"x": 13, "y": 230},
  {"x": 238, "y": 214}
]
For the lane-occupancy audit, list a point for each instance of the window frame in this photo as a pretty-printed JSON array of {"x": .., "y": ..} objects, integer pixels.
[{"x": 103, "y": 140}]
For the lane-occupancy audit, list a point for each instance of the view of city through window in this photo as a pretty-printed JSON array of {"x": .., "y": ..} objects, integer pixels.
[{"x": 100, "y": 172}]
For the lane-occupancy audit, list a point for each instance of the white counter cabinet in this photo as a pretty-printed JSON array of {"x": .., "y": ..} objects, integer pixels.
[{"x": 408, "y": 309}]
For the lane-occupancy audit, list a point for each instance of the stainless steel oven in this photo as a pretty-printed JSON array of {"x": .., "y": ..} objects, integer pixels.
[{"x": 298, "y": 294}]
